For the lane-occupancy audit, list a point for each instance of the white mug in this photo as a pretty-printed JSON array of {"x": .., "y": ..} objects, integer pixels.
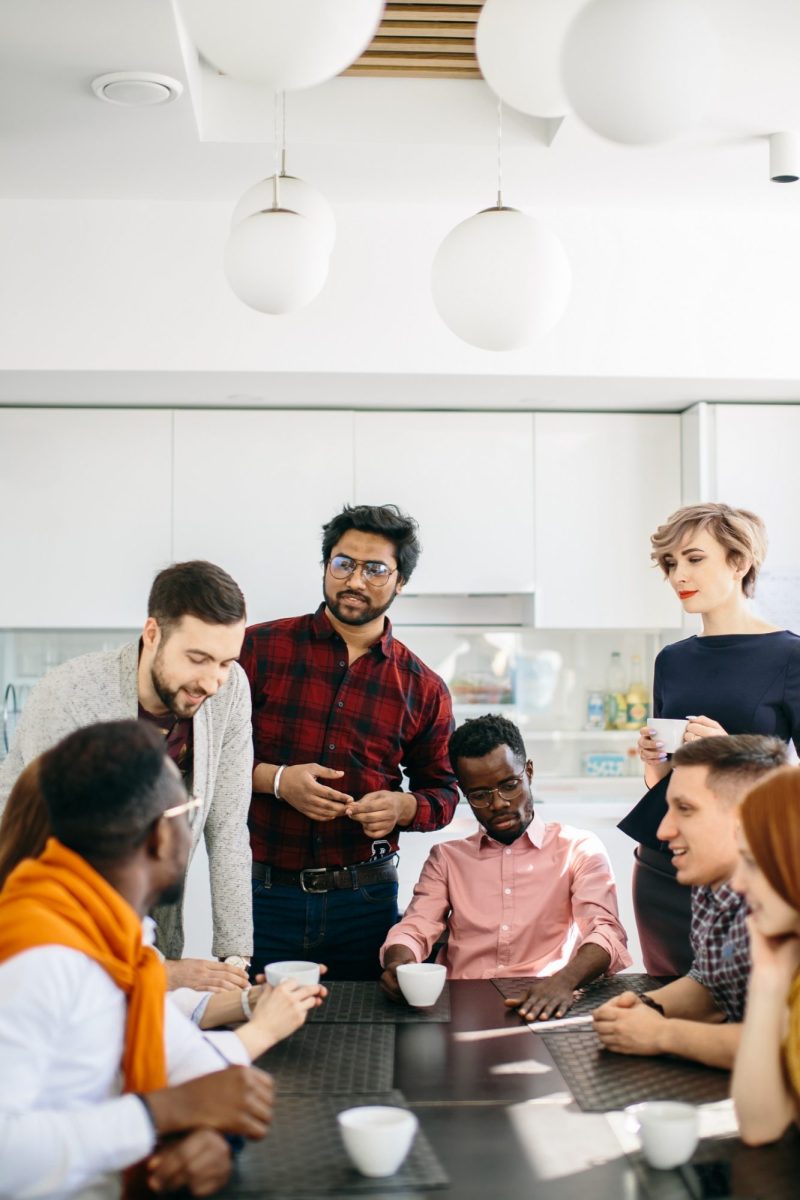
[
  {"x": 302, "y": 972},
  {"x": 421, "y": 983},
  {"x": 669, "y": 731},
  {"x": 668, "y": 1131},
  {"x": 377, "y": 1137}
]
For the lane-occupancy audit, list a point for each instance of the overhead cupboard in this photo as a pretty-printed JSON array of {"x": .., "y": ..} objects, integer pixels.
[{"x": 558, "y": 506}]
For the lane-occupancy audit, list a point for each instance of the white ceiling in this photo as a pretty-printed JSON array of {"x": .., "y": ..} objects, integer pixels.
[
  {"x": 423, "y": 141},
  {"x": 369, "y": 140}
]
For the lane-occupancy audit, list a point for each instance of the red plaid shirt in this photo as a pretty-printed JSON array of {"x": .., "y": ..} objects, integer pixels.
[{"x": 385, "y": 710}]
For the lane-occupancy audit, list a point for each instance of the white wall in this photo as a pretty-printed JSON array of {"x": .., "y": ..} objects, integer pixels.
[{"x": 91, "y": 285}]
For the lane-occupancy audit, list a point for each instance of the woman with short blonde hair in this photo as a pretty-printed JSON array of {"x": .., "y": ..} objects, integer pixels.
[{"x": 740, "y": 675}]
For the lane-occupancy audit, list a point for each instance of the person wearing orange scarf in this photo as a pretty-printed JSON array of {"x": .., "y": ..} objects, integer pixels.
[
  {"x": 766, "y": 1076},
  {"x": 96, "y": 1067}
]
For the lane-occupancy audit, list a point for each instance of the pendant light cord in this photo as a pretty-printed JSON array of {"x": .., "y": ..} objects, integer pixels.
[
  {"x": 499, "y": 153},
  {"x": 276, "y": 200}
]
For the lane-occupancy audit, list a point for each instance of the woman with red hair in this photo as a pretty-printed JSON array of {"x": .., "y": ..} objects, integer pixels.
[{"x": 766, "y": 1076}]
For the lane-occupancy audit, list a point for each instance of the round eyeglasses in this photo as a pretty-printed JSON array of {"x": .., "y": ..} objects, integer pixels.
[
  {"x": 508, "y": 790},
  {"x": 376, "y": 574}
]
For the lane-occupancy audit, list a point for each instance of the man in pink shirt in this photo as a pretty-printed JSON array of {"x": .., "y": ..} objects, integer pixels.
[{"x": 519, "y": 897}]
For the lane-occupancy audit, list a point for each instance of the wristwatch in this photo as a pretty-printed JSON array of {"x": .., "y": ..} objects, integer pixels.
[{"x": 236, "y": 960}]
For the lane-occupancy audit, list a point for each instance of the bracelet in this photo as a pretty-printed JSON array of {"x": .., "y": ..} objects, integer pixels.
[
  {"x": 148, "y": 1110},
  {"x": 276, "y": 781},
  {"x": 651, "y": 1003},
  {"x": 245, "y": 999}
]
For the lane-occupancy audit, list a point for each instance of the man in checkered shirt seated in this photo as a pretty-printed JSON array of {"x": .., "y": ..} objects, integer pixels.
[{"x": 699, "y": 1016}]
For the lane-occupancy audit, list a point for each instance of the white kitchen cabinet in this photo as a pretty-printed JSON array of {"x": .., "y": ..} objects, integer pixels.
[
  {"x": 467, "y": 478},
  {"x": 754, "y": 464},
  {"x": 86, "y": 508},
  {"x": 252, "y": 490},
  {"x": 604, "y": 482}
]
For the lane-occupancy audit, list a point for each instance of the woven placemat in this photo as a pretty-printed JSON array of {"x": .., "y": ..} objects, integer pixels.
[
  {"x": 354, "y": 1058},
  {"x": 357, "y": 1002},
  {"x": 304, "y": 1156},
  {"x": 601, "y": 1080},
  {"x": 591, "y": 996}
]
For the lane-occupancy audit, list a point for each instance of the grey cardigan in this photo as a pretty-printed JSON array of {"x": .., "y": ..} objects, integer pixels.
[{"x": 102, "y": 687}]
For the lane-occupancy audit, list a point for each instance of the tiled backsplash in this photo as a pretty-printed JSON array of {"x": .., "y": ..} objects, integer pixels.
[{"x": 539, "y": 678}]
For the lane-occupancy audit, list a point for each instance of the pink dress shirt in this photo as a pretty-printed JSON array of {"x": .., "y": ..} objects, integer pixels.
[{"x": 522, "y": 909}]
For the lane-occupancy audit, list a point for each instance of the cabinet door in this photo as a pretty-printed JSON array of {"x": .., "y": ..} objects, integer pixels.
[
  {"x": 755, "y": 466},
  {"x": 604, "y": 481},
  {"x": 252, "y": 491},
  {"x": 467, "y": 478},
  {"x": 86, "y": 515}
]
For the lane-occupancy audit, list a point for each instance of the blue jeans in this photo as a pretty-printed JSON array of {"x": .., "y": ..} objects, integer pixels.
[{"x": 343, "y": 929}]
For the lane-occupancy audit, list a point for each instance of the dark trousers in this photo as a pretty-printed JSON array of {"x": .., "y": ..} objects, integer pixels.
[
  {"x": 663, "y": 910},
  {"x": 343, "y": 929}
]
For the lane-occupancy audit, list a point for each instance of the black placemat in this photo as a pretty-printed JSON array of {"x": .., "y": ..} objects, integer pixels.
[
  {"x": 356, "y": 1002},
  {"x": 347, "y": 1058},
  {"x": 304, "y": 1156},
  {"x": 601, "y": 1080},
  {"x": 591, "y": 996}
]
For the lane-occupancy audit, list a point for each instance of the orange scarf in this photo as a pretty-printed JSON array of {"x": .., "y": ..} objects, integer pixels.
[{"x": 59, "y": 900}]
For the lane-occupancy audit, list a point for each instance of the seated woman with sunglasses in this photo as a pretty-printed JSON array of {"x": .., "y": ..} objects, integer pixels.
[
  {"x": 24, "y": 830},
  {"x": 520, "y": 897},
  {"x": 766, "y": 1075}
]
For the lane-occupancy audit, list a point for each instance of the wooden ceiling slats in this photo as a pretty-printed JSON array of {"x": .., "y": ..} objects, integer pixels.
[{"x": 422, "y": 39}]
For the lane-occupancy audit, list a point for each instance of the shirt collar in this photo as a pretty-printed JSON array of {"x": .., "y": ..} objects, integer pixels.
[
  {"x": 534, "y": 834},
  {"x": 322, "y": 629},
  {"x": 723, "y": 898}
]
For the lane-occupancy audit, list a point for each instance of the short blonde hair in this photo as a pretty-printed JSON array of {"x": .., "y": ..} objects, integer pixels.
[{"x": 742, "y": 535}]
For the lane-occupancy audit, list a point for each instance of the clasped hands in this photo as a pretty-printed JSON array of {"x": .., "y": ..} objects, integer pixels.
[{"x": 378, "y": 812}]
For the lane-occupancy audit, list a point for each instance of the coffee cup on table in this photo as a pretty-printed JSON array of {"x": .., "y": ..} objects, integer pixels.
[
  {"x": 667, "y": 1130},
  {"x": 669, "y": 731},
  {"x": 421, "y": 983},
  {"x": 377, "y": 1137},
  {"x": 301, "y": 972}
]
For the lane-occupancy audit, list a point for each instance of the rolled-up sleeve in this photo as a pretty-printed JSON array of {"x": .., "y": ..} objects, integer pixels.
[
  {"x": 594, "y": 902},
  {"x": 426, "y": 915}
]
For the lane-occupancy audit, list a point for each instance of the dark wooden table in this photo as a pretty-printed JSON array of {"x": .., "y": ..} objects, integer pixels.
[{"x": 469, "y": 1089}]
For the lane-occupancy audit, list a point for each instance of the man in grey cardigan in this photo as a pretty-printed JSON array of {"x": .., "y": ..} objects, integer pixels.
[{"x": 182, "y": 677}]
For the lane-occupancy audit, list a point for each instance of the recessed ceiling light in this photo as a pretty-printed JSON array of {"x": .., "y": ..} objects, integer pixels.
[{"x": 136, "y": 89}]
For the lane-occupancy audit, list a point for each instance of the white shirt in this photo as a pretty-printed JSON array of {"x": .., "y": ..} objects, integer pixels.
[{"x": 63, "y": 1122}]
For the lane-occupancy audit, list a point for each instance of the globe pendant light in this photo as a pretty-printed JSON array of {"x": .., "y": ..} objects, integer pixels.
[
  {"x": 518, "y": 45},
  {"x": 282, "y": 231},
  {"x": 500, "y": 279},
  {"x": 641, "y": 71},
  {"x": 287, "y": 44}
]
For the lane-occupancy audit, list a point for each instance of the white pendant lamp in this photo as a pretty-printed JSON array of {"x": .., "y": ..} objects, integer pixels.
[
  {"x": 500, "y": 279},
  {"x": 641, "y": 71},
  {"x": 287, "y": 44},
  {"x": 276, "y": 261},
  {"x": 282, "y": 233},
  {"x": 518, "y": 44},
  {"x": 296, "y": 195}
]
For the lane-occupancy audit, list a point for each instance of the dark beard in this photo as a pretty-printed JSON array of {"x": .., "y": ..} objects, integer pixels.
[
  {"x": 174, "y": 893},
  {"x": 370, "y": 613}
]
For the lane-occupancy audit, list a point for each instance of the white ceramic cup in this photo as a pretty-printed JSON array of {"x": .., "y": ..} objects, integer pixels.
[
  {"x": 421, "y": 983},
  {"x": 377, "y": 1137},
  {"x": 302, "y": 972},
  {"x": 667, "y": 1130},
  {"x": 668, "y": 730}
]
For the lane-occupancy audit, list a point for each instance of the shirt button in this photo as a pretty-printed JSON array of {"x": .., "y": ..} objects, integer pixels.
[
  {"x": 508, "y": 851},
  {"x": 504, "y": 927},
  {"x": 331, "y": 745},
  {"x": 508, "y": 891},
  {"x": 342, "y": 663},
  {"x": 340, "y": 704}
]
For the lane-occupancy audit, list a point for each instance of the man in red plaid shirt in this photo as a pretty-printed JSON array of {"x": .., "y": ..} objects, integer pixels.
[{"x": 341, "y": 710}]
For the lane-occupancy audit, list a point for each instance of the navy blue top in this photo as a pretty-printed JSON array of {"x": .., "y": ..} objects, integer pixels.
[{"x": 749, "y": 682}]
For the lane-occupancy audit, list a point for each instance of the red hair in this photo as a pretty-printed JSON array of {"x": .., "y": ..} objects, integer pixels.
[{"x": 770, "y": 816}]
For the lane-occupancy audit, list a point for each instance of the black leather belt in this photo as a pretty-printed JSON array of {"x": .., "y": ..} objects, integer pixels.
[{"x": 328, "y": 879}]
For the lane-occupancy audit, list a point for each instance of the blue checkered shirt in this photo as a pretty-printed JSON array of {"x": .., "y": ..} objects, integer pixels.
[{"x": 721, "y": 946}]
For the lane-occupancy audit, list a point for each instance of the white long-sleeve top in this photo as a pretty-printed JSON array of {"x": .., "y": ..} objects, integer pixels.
[{"x": 64, "y": 1126}]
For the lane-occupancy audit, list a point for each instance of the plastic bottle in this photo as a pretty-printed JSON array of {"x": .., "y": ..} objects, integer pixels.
[
  {"x": 616, "y": 698},
  {"x": 637, "y": 698}
]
